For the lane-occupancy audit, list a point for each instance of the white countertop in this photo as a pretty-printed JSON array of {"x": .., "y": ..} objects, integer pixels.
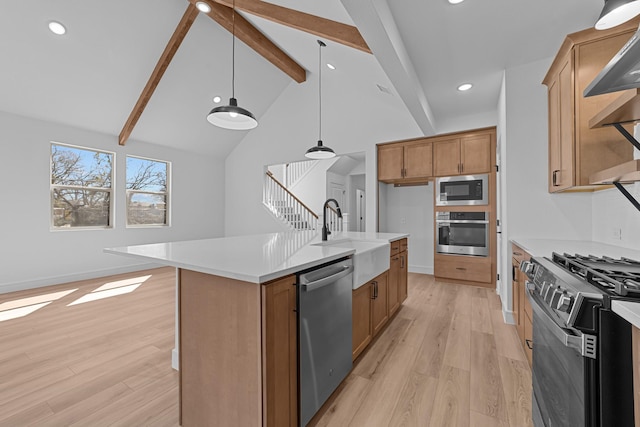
[
  {"x": 545, "y": 247},
  {"x": 628, "y": 310},
  {"x": 254, "y": 258}
]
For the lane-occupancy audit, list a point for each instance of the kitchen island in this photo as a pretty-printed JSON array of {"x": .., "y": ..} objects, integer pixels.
[{"x": 237, "y": 321}]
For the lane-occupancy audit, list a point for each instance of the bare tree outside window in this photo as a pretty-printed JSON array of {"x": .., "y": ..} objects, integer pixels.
[
  {"x": 147, "y": 192},
  {"x": 81, "y": 182}
]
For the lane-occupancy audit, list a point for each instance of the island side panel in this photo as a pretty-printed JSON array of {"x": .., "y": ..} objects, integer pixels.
[{"x": 220, "y": 351}]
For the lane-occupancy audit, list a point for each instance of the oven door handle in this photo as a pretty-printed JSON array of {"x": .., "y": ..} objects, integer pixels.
[
  {"x": 312, "y": 286},
  {"x": 585, "y": 344},
  {"x": 461, "y": 221}
]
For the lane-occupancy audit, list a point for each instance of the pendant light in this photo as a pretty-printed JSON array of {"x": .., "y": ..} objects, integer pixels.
[
  {"x": 231, "y": 116},
  {"x": 320, "y": 151},
  {"x": 616, "y": 12}
]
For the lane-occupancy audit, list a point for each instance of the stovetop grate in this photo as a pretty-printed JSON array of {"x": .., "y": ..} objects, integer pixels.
[{"x": 614, "y": 276}]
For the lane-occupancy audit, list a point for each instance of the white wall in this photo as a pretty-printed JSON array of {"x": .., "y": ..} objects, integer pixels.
[
  {"x": 410, "y": 210},
  {"x": 289, "y": 128},
  {"x": 31, "y": 255},
  {"x": 531, "y": 211},
  {"x": 615, "y": 220}
]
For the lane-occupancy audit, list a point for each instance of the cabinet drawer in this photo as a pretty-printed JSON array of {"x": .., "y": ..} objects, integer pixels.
[
  {"x": 403, "y": 244},
  {"x": 395, "y": 247},
  {"x": 463, "y": 268}
]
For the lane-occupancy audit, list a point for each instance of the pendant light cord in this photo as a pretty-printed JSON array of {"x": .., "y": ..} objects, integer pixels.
[
  {"x": 233, "y": 50},
  {"x": 321, "y": 45}
]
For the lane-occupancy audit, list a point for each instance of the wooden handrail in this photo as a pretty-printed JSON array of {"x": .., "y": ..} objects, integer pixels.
[{"x": 270, "y": 175}]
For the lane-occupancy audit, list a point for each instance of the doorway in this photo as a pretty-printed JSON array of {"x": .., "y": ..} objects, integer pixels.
[{"x": 361, "y": 211}]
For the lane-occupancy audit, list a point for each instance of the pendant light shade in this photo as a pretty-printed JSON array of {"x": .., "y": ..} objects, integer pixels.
[
  {"x": 319, "y": 151},
  {"x": 616, "y": 12},
  {"x": 231, "y": 116}
]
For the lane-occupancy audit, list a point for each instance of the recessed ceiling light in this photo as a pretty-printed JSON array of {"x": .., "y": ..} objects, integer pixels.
[
  {"x": 331, "y": 66},
  {"x": 203, "y": 7},
  {"x": 455, "y": 1},
  {"x": 57, "y": 28},
  {"x": 217, "y": 99},
  {"x": 465, "y": 86}
]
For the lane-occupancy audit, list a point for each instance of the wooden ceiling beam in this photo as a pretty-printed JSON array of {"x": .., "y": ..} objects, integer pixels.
[
  {"x": 257, "y": 41},
  {"x": 165, "y": 59},
  {"x": 331, "y": 30}
]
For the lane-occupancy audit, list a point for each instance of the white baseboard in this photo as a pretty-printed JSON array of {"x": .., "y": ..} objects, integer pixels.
[
  {"x": 420, "y": 269},
  {"x": 175, "y": 359},
  {"x": 507, "y": 316},
  {"x": 74, "y": 277}
]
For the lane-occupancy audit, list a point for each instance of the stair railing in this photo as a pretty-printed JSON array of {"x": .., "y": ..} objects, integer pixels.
[
  {"x": 294, "y": 171},
  {"x": 286, "y": 206}
]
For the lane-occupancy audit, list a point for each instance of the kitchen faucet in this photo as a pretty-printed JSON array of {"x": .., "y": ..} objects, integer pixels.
[{"x": 325, "y": 231}]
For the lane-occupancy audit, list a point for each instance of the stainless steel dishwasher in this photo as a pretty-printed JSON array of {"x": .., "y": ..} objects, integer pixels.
[{"x": 324, "y": 332}]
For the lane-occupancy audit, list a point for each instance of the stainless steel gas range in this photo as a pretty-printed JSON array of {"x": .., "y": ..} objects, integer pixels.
[{"x": 582, "y": 351}]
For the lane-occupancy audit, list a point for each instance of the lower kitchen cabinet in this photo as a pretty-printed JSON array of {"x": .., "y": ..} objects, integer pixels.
[
  {"x": 403, "y": 276},
  {"x": 379, "y": 311},
  {"x": 461, "y": 267},
  {"x": 393, "y": 296},
  {"x": 369, "y": 312},
  {"x": 361, "y": 318},
  {"x": 280, "y": 375},
  {"x": 521, "y": 306}
]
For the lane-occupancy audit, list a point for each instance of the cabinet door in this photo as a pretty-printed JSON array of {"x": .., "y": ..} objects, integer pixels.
[
  {"x": 390, "y": 162},
  {"x": 393, "y": 301},
  {"x": 446, "y": 157},
  {"x": 280, "y": 353},
  {"x": 475, "y": 154},
  {"x": 515, "y": 298},
  {"x": 361, "y": 318},
  {"x": 418, "y": 160},
  {"x": 403, "y": 276},
  {"x": 528, "y": 338},
  {"x": 379, "y": 313}
]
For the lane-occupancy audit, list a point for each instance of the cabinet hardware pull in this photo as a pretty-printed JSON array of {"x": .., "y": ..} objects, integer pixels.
[
  {"x": 529, "y": 344},
  {"x": 460, "y": 268},
  {"x": 517, "y": 253},
  {"x": 462, "y": 167},
  {"x": 555, "y": 177},
  {"x": 401, "y": 262}
]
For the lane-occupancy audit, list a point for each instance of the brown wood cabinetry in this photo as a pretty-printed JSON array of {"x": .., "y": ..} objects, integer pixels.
[
  {"x": 464, "y": 268},
  {"x": 405, "y": 162},
  {"x": 393, "y": 294},
  {"x": 379, "y": 306},
  {"x": 280, "y": 378},
  {"x": 575, "y": 150},
  {"x": 361, "y": 318},
  {"x": 238, "y": 354},
  {"x": 462, "y": 156},
  {"x": 403, "y": 276},
  {"x": 521, "y": 308}
]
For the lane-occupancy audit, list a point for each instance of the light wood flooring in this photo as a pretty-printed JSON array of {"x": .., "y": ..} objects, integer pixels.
[{"x": 446, "y": 359}]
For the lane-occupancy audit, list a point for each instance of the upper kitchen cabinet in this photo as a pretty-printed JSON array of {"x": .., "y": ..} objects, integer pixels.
[
  {"x": 405, "y": 162},
  {"x": 575, "y": 150},
  {"x": 464, "y": 155}
]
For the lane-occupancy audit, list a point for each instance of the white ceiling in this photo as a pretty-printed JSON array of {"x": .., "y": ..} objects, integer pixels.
[{"x": 92, "y": 76}]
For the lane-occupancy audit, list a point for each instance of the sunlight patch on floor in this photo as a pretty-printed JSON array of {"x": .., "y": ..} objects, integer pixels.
[
  {"x": 24, "y": 306},
  {"x": 112, "y": 289}
]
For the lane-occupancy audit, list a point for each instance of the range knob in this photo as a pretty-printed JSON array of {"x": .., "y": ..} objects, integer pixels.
[
  {"x": 565, "y": 302},
  {"x": 555, "y": 296},
  {"x": 528, "y": 268}
]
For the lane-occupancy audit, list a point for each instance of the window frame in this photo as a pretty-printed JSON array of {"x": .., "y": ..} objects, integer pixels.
[
  {"x": 52, "y": 186},
  {"x": 166, "y": 193}
]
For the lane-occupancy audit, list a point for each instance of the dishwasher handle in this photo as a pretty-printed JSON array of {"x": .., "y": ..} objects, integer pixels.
[{"x": 312, "y": 286}]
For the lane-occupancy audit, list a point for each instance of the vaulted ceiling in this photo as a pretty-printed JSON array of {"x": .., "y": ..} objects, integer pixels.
[{"x": 93, "y": 76}]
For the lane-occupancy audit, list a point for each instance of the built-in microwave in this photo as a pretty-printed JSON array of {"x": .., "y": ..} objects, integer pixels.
[
  {"x": 462, "y": 233},
  {"x": 462, "y": 190}
]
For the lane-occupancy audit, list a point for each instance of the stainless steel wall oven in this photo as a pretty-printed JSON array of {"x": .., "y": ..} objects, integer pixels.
[{"x": 462, "y": 233}]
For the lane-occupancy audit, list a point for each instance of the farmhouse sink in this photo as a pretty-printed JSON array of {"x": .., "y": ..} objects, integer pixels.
[{"x": 370, "y": 259}]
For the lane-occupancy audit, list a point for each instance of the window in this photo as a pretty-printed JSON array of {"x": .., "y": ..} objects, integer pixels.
[
  {"x": 81, "y": 183},
  {"x": 147, "y": 191}
]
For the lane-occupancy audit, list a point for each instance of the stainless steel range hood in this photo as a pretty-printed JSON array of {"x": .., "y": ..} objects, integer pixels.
[{"x": 621, "y": 73}]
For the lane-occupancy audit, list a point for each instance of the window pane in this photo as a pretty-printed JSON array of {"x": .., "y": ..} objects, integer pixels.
[
  {"x": 146, "y": 209},
  {"x": 80, "y": 208},
  {"x": 76, "y": 166},
  {"x": 146, "y": 175}
]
